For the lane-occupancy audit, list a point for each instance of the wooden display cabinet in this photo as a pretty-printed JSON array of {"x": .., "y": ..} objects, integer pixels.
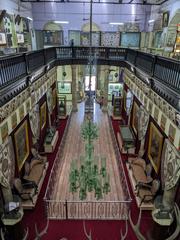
[
  {"x": 117, "y": 107},
  {"x": 62, "y": 113}
]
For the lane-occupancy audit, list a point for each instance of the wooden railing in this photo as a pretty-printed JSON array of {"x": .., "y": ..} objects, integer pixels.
[
  {"x": 112, "y": 210},
  {"x": 11, "y": 69},
  {"x": 168, "y": 72},
  {"x": 162, "y": 69}
]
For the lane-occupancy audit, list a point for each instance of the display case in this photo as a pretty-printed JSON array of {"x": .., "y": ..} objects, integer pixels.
[
  {"x": 51, "y": 140},
  {"x": 52, "y": 38},
  {"x": 130, "y": 39},
  {"x": 62, "y": 107},
  {"x": 117, "y": 107}
]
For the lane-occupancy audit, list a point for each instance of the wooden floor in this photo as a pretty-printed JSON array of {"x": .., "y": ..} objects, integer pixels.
[{"x": 74, "y": 148}]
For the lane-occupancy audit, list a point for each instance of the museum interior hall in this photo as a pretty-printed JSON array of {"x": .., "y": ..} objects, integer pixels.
[{"x": 90, "y": 119}]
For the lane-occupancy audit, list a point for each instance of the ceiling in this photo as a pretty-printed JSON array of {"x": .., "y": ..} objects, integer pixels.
[{"x": 138, "y": 2}]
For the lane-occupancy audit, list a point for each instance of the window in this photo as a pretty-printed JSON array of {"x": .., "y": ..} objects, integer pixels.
[{"x": 93, "y": 83}]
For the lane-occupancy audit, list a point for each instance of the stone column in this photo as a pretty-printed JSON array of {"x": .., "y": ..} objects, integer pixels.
[
  {"x": 150, "y": 40},
  {"x": 106, "y": 81},
  {"x": 74, "y": 90}
]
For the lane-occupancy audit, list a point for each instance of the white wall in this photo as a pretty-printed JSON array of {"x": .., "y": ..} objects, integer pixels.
[
  {"x": 11, "y": 6},
  {"x": 74, "y": 13}
]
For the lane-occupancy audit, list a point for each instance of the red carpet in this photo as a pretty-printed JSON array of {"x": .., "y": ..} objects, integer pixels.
[{"x": 73, "y": 229}]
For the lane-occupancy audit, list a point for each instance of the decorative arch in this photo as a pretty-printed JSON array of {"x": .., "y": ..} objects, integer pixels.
[
  {"x": 175, "y": 19},
  {"x": 52, "y": 26},
  {"x": 86, "y": 27},
  {"x": 171, "y": 29}
]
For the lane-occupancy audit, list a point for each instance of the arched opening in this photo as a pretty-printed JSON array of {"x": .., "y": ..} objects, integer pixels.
[
  {"x": 85, "y": 34},
  {"x": 52, "y": 26},
  {"x": 173, "y": 34},
  {"x": 86, "y": 27},
  {"x": 53, "y": 34}
]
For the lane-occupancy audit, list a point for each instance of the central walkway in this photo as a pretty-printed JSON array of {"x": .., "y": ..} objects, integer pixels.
[{"x": 73, "y": 149}]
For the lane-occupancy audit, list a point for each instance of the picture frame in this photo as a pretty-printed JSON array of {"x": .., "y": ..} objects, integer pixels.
[
  {"x": 130, "y": 39},
  {"x": 64, "y": 87},
  {"x": 115, "y": 87},
  {"x": 2, "y": 38},
  {"x": 135, "y": 117},
  {"x": 43, "y": 110},
  {"x": 165, "y": 19},
  {"x": 20, "y": 38},
  {"x": 155, "y": 146},
  {"x": 21, "y": 140}
]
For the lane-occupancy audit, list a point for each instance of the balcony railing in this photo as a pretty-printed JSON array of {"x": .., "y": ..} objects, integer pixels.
[{"x": 15, "y": 67}]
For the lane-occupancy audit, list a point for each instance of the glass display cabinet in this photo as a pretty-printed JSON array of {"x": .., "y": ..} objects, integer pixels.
[
  {"x": 117, "y": 106},
  {"x": 62, "y": 107}
]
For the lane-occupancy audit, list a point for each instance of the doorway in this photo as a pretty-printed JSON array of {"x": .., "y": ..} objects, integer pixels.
[{"x": 87, "y": 84}]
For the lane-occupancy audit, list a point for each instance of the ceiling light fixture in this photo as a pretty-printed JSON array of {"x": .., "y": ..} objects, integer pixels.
[
  {"x": 30, "y": 18},
  {"x": 150, "y": 21},
  {"x": 63, "y": 22},
  {"x": 116, "y": 23}
]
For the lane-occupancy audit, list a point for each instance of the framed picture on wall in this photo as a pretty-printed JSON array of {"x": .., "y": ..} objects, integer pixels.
[
  {"x": 130, "y": 39},
  {"x": 165, "y": 19},
  {"x": 20, "y": 37},
  {"x": 21, "y": 144},
  {"x": 64, "y": 87},
  {"x": 43, "y": 115},
  {"x": 135, "y": 117},
  {"x": 115, "y": 87},
  {"x": 2, "y": 38},
  {"x": 155, "y": 146}
]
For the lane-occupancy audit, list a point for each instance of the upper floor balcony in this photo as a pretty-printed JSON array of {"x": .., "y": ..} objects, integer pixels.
[{"x": 162, "y": 74}]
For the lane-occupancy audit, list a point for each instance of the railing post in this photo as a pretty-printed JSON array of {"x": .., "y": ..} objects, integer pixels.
[
  {"x": 27, "y": 63},
  {"x": 125, "y": 55},
  {"x": 66, "y": 209},
  {"x": 135, "y": 59},
  {"x": 44, "y": 55},
  {"x": 153, "y": 66},
  {"x": 106, "y": 53}
]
